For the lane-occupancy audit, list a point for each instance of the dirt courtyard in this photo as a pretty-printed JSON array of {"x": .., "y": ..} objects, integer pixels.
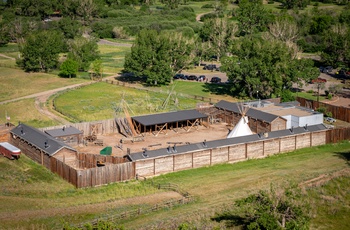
[{"x": 151, "y": 142}]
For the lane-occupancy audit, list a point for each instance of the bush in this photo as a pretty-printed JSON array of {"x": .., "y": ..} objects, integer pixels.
[
  {"x": 118, "y": 14},
  {"x": 270, "y": 2},
  {"x": 207, "y": 6},
  {"x": 310, "y": 91},
  {"x": 102, "y": 30},
  {"x": 186, "y": 31},
  {"x": 120, "y": 33}
]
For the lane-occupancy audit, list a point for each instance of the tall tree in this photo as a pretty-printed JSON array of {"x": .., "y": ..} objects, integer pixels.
[
  {"x": 83, "y": 51},
  {"x": 40, "y": 51},
  {"x": 155, "y": 56},
  {"x": 265, "y": 68},
  {"x": 218, "y": 34},
  {"x": 337, "y": 42},
  {"x": 252, "y": 16}
]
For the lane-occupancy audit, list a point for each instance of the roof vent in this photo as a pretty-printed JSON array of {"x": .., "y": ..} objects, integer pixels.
[
  {"x": 63, "y": 128},
  {"x": 46, "y": 144},
  {"x": 168, "y": 150},
  {"x": 22, "y": 131},
  {"x": 144, "y": 153},
  {"x": 205, "y": 143},
  {"x": 174, "y": 149},
  {"x": 291, "y": 130},
  {"x": 305, "y": 128}
]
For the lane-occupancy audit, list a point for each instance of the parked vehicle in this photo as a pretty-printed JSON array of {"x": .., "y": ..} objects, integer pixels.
[
  {"x": 9, "y": 151},
  {"x": 327, "y": 69},
  {"x": 192, "y": 78},
  {"x": 215, "y": 80},
  {"x": 178, "y": 76},
  {"x": 210, "y": 67},
  {"x": 330, "y": 120},
  {"x": 201, "y": 78},
  {"x": 318, "y": 80}
]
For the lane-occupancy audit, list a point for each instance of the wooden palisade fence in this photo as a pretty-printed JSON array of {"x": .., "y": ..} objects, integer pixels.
[{"x": 338, "y": 112}]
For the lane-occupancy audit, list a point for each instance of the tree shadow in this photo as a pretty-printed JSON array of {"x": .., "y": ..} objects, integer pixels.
[
  {"x": 130, "y": 78},
  {"x": 230, "y": 220},
  {"x": 218, "y": 89},
  {"x": 345, "y": 156}
]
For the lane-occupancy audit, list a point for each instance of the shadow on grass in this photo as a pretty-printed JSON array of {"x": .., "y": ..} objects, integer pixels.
[
  {"x": 218, "y": 89},
  {"x": 345, "y": 156},
  {"x": 230, "y": 219}
]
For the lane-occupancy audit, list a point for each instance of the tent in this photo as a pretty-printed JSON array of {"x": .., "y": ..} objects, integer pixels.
[{"x": 241, "y": 129}]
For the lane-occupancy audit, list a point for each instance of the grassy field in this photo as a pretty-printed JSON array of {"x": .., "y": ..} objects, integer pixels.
[
  {"x": 39, "y": 199},
  {"x": 24, "y": 111},
  {"x": 112, "y": 57},
  {"x": 100, "y": 101},
  {"x": 16, "y": 83}
]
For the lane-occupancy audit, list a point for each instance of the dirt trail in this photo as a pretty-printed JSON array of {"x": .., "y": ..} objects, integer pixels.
[{"x": 5, "y": 56}]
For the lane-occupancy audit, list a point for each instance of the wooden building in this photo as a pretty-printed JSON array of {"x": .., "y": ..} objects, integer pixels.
[
  {"x": 162, "y": 122},
  {"x": 176, "y": 158},
  {"x": 259, "y": 121},
  {"x": 69, "y": 135},
  {"x": 40, "y": 146}
]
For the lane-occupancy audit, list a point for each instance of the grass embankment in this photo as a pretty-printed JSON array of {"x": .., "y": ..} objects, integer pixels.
[
  {"x": 101, "y": 101},
  {"x": 32, "y": 196},
  {"x": 25, "y": 111}
]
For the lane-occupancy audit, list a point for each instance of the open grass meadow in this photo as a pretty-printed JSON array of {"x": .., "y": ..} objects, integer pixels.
[
  {"x": 17, "y": 83},
  {"x": 103, "y": 101},
  {"x": 113, "y": 57},
  {"x": 33, "y": 197},
  {"x": 25, "y": 112}
]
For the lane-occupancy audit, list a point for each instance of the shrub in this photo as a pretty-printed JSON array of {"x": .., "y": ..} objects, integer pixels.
[
  {"x": 119, "y": 32},
  {"x": 118, "y": 14},
  {"x": 186, "y": 31},
  {"x": 207, "y": 6},
  {"x": 102, "y": 30},
  {"x": 310, "y": 91}
]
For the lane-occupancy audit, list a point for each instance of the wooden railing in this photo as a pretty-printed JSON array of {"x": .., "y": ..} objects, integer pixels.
[{"x": 185, "y": 199}]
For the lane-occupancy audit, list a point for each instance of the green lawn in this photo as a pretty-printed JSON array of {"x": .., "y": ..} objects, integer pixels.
[
  {"x": 37, "y": 198},
  {"x": 113, "y": 57},
  {"x": 99, "y": 101}
]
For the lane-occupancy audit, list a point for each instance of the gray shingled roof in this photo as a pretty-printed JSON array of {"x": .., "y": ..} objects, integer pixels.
[
  {"x": 162, "y": 118},
  {"x": 65, "y": 131},
  {"x": 252, "y": 113},
  {"x": 222, "y": 142},
  {"x": 41, "y": 140}
]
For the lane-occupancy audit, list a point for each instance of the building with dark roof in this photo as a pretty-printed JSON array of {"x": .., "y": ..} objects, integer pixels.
[
  {"x": 40, "y": 146},
  {"x": 161, "y": 122},
  {"x": 69, "y": 135},
  {"x": 259, "y": 121}
]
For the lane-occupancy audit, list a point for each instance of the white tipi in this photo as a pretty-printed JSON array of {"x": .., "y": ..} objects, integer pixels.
[{"x": 242, "y": 127}]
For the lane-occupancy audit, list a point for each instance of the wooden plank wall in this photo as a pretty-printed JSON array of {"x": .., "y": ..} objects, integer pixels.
[
  {"x": 93, "y": 176},
  {"x": 88, "y": 160},
  {"x": 336, "y": 135},
  {"x": 234, "y": 153},
  {"x": 108, "y": 127},
  {"x": 338, "y": 112}
]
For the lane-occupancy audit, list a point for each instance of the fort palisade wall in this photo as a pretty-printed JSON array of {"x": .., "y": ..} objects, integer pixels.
[{"x": 228, "y": 154}]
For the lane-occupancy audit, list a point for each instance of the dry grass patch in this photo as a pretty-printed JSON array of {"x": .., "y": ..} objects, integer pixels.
[
  {"x": 24, "y": 111},
  {"x": 17, "y": 83}
]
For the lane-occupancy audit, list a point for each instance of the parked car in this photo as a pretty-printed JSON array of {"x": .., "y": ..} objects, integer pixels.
[
  {"x": 210, "y": 67},
  {"x": 318, "y": 80},
  {"x": 330, "y": 120},
  {"x": 327, "y": 69},
  {"x": 215, "y": 80},
  {"x": 178, "y": 76},
  {"x": 192, "y": 78},
  {"x": 201, "y": 78}
]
